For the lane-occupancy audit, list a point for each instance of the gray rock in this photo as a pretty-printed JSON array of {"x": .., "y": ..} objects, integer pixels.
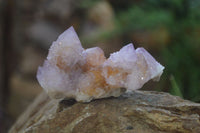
[{"x": 137, "y": 112}]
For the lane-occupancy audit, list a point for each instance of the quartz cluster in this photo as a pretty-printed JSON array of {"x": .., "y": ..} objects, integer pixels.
[{"x": 71, "y": 71}]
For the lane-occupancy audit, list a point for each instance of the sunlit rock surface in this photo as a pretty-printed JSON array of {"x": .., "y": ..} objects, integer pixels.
[{"x": 71, "y": 71}]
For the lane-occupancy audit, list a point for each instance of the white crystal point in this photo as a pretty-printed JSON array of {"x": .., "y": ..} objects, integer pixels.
[
  {"x": 155, "y": 68},
  {"x": 66, "y": 49},
  {"x": 73, "y": 72},
  {"x": 119, "y": 64},
  {"x": 54, "y": 81},
  {"x": 145, "y": 69},
  {"x": 123, "y": 58}
]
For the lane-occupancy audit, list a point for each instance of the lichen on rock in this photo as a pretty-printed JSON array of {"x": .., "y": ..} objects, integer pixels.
[{"x": 71, "y": 71}]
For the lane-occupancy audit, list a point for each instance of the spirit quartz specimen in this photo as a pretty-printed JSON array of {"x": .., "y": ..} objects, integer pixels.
[{"x": 71, "y": 71}]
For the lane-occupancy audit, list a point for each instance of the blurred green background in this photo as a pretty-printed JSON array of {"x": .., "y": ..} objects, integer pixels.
[{"x": 168, "y": 29}]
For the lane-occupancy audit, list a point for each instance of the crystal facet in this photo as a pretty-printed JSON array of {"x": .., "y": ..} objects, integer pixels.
[{"x": 71, "y": 71}]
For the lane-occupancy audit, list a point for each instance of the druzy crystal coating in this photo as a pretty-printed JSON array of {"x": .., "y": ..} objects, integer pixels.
[{"x": 70, "y": 71}]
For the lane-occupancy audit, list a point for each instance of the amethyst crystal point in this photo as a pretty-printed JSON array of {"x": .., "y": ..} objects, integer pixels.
[{"x": 71, "y": 71}]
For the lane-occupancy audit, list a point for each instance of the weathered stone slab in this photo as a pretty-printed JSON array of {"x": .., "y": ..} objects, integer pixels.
[{"x": 137, "y": 112}]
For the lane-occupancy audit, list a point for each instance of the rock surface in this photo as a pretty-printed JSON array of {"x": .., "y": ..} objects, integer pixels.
[{"x": 137, "y": 112}]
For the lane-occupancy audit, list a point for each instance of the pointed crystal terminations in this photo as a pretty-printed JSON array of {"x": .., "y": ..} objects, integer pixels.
[{"x": 71, "y": 71}]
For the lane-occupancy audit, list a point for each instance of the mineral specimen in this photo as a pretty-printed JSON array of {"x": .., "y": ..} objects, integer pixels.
[{"x": 71, "y": 71}]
